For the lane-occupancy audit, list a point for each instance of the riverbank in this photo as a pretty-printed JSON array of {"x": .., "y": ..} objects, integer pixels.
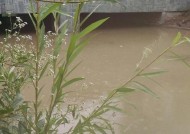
[{"x": 176, "y": 20}]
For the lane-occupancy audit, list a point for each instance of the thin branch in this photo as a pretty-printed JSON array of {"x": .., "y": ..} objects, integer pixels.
[
  {"x": 113, "y": 92},
  {"x": 63, "y": 2}
]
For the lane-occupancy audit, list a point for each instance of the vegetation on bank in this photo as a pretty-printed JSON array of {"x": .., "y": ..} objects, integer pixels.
[{"x": 24, "y": 61}]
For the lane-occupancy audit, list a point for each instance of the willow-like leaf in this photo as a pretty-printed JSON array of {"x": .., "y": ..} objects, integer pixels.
[
  {"x": 176, "y": 39},
  {"x": 70, "y": 71},
  {"x": 86, "y": 18},
  {"x": 59, "y": 79},
  {"x": 125, "y": 90},
  {"x": 11, "y": 70},
  {"x": 59, "y": 39},
  {"x": 100, "y": 112},
  {"x": 88, "y": 130},
  {"x": 72, "y": 81},
  {"x": 154, "y": 81},
  {"x": 78, "y": 50},
  {"x": 152, "y": 74},
  {"x": 62, "y": 25},
  {"x": 141, "y": 87},
  {"x": 63, "y": 13},
  {"x": 72, "y": 44},
  {"x": 76, "y": 16},
  {"x": 41, "y": 39},
  {"x": 182, "y": 59},
  {"x": 32, "y": 10},
  {"x": 107, "y": 123},
  {"x": 115, "y": 108},
  {"x": 99, "y": 128},
  {"x": 43, "y": 70},
  {"x": 76, "y": 37},
  {"x": 32, "y": 19},
  {"x": 45, "y": 11},
  {"x": 187, "y": 39},
  {"x": 92, "y": 27}
]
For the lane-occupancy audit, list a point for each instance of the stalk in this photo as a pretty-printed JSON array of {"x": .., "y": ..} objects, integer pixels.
[
  {"x": 37, "y": 66},
  {"x": 114, "y": 92},
  {"x": 54, "y": 101}
]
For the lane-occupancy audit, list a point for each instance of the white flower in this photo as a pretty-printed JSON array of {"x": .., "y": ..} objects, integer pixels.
[
  {"x": 17, "y": 39},
  {"x": 15, "y": 33},
  {"x": 18, "y": 19},
  {"x": 29, "y": 37},
  {"x": 0, "y": 22}
]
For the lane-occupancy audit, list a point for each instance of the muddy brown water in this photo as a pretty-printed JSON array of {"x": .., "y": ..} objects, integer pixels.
[{"x": 110, "y": 60}]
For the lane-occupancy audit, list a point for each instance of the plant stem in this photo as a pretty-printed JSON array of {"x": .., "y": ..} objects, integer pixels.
[
  {"x": 37, "y": 66},
  {"x": 114, "y": 92},
  {"x": 54, "y": 100},
  {"x": 64, "y": 1},
  {"x": 148, "y": 65}
]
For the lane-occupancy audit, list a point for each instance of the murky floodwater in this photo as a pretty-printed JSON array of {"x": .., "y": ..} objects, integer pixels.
[{"x": 111, "y": 59}]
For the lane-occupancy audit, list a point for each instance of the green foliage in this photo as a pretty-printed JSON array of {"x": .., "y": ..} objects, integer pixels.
[
  {"x": 30, "y": 118},
  {"x": 177, "y": 39},
  {"x": 23, "y": 64}
]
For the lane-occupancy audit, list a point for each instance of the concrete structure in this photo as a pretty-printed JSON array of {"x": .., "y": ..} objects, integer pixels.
[{"x": 20, "y": 6}]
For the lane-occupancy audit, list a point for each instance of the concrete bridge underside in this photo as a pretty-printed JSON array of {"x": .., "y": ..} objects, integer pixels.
[{"x": 20, "y": 6}]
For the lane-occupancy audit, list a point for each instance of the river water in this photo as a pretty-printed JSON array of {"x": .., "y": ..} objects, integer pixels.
[{"x": 111, "y": 59}]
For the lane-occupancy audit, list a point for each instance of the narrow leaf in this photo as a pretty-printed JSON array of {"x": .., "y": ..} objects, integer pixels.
[
  {"x": 92, "y": 27},
  {"x": 107, "y": 122},
  {"x": 62, "y": 24},
  {"x": 84, "y": 20},
  {"x": 11, "y": 70},
  {"x": 32, "y": 19},
  {"x": 47, "y": 10},
  {"x": 151, "y": 74},
  {"x": 71, "y": 81},
  {"x": 41, "y": 38},
  {"x": 182, "y": 59},
  {"x": 59, "y": 39},
  {"x": 115, "y": 108},
  {"x": 100, "y": 129},
  {"x": 72, "y": 44},
  {"x": 143, "y": 88},
  {"x": 177, "y": 39},
  {"x": 101, "y": 112},
  {"x": 125, "y": 90},
  {"x": 77, "y": 50},
  {"x": 76, "y": 16},
  {"x": 72, "y": 69},
  {"x": 187, "y": 39},
  {"x": 43, "y": 70}
]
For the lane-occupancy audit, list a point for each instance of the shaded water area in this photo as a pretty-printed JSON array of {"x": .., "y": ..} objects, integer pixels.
[{"x": 111, "y": 59}]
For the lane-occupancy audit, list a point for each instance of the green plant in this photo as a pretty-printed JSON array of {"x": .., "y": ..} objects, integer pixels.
[{"x": 22, "y": 65}]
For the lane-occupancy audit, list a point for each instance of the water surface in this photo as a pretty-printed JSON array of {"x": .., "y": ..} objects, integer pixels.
[{"x": 111, "y": 59}]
